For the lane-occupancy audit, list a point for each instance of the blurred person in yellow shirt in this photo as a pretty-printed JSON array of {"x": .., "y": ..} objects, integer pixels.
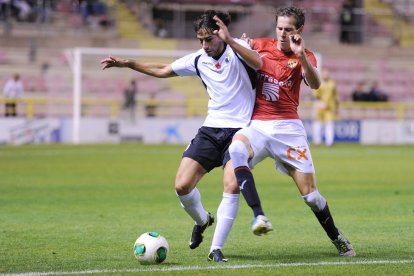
[
  {"x": 12, "y": 91},
  {"x": 326, "y": 110}
]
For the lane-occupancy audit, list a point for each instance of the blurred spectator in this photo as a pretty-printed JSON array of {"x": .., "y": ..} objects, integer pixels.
[
  {"x": 21, "y": 9},
  {"x": 12, "y": 91},
  {"x": 160, "y": 29},
  {"x": 43, "y": 10},
  {"x": 26, "y": 10},
  {"x": 360, "y": 94},
  {"x": 33, "y": 49},
  {"x": 44, "y": 68},
  {"x": 93, "y": 13},
  {"x": 4, "y": 9},
  {"x": 151, "y": 106},
  {"x": 326, "y": 109},
  {"x": 130, "y": 99},
  {"x": 375, "y": 94},
  {"x": 346, "y": 22}
]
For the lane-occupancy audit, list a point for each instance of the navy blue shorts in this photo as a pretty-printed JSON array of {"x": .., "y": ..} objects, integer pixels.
[{"x": 210, "y": 147}]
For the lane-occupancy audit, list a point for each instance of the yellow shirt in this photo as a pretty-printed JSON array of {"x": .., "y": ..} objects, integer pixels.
[{"x": 326, "y": 102}]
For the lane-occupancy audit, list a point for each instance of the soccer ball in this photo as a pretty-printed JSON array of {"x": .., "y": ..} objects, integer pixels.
[{"x": 151, "y": 248}]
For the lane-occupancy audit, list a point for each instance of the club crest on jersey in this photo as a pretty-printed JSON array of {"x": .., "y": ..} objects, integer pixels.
[
  {"x": 292, "y": 63},
  {"x": 218, "y": 65},
  {"x": 227, "y": 58}
]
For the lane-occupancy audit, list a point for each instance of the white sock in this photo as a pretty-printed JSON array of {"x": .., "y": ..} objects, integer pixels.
[
  {"x": 193, "y": 206},
  {"x": 317, "y": 132},
  {"x": 315, "y": 201},
  {"x": 226, "y": 214},
  {"x": 329, "y": 133}
]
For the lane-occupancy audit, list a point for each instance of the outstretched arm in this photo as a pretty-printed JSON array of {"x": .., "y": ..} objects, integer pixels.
[
  {"x": 159, "y": 70},
  {"x": 297, "y": 45},
  {"x": 251, "y": 57}
]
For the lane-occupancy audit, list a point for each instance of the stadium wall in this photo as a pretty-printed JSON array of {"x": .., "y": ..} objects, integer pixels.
[{"x": 18, "y": 131}]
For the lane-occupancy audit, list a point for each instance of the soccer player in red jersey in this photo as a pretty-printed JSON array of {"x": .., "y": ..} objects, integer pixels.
[{"x": 276, "y": 130}]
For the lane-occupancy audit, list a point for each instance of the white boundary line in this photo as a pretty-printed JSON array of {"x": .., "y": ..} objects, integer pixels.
[{"x": 218, "y": 266}]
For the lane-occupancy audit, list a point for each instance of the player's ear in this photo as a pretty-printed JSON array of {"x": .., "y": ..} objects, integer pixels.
[{"x": 300, "y": 30}]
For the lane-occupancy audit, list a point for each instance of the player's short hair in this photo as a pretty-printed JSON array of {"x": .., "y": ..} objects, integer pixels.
[
  {"x": 295, "y": 12},
  {"x": 206, "y": 21}
]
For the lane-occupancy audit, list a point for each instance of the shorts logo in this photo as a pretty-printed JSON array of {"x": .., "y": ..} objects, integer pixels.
[
  {"x": 296, "y": 154},
  {"x": 292, "y": 63}
]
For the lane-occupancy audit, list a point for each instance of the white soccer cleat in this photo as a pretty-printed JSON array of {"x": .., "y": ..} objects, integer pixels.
[{"x": 261, "y": 225}]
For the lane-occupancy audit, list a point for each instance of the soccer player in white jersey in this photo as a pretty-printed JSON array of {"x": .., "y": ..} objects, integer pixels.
[
  {"x": 227, "y": 67},
  {"x": 276, "y": 131}
]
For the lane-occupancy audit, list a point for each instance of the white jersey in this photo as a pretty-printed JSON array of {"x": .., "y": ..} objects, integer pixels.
[
  {"x": 228, "y": 84},
  {"x": 13, "y": 89}
]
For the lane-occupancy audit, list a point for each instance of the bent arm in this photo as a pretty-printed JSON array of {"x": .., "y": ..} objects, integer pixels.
[
  {"x": 251, "y": 57},
  {"x": 159, "y": 70},
  {"x": 311, "y": 73},
  {"x": 297, "y": 45}
]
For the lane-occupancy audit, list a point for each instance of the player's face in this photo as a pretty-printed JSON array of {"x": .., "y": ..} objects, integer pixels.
[
  {"x": 211, "y": 43},
  {"x": 284, "y": 28}
]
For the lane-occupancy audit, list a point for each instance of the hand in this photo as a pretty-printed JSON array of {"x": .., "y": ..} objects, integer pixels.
[
  {"x": 112, "y": 62},
  {"x": 222, "y": 32},
  {"x": 247, "y": 39},
  {"x": 297, "y": 44}
]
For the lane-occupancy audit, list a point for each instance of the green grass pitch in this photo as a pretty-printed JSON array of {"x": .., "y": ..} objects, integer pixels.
[{"x": 79, "y": 209}]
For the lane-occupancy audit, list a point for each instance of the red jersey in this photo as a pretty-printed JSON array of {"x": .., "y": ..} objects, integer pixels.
[{"x": 279, "y": 79}]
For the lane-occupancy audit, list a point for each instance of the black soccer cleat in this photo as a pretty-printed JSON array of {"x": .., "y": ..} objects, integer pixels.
[
  {"x": 217, "y": 256},
  {"x": 198, "y": 230}
]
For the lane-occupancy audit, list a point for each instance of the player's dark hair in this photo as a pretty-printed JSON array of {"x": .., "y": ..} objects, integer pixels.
[
  {"x": 206, "y": 21},
  {"x": 295, "y": 12}
]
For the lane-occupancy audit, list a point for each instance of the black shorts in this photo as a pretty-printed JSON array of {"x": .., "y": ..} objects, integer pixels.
[{"x": 210, "y": 147}]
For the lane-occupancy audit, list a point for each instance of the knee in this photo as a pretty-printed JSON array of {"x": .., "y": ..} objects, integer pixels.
[
  {"x": 182, "y": 186},
  {"x": 181, "y": 190},
  {"x": 231, "y": 186},
  {"x": 238, "y": 147},
  {"x": 315, "y": 201},
  {"x": 238, "y": 153}
]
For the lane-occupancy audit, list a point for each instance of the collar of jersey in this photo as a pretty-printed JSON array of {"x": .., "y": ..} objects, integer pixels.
[{"x": 222, "y": 52}]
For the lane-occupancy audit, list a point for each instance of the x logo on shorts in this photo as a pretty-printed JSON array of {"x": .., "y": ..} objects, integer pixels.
[{"x": 301, "y": 154}]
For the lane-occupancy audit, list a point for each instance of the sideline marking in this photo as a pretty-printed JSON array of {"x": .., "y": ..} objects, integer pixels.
[{"x": 186, "y": 268}]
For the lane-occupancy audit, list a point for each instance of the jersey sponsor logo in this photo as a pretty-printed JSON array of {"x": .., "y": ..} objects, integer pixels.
[
  {"x": 265, "y": 78},
  {"x": 286, "y": 84},
  {"x": 296, "y": 154},
  {"x": 270, "y": 87},
  {"x": 270, "y": 92},
  {"x": 292, "y": 63}
]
